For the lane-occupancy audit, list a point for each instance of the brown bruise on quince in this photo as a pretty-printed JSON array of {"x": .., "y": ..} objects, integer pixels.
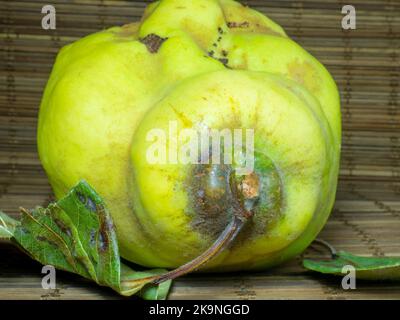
[
  {"x": 250, "y": 186},
  {"x": 208, "y": 202},
  {"x": 153, "y": 42},
  {"x": 216, "y": 53},
  {"x": 210, "y": 207}
]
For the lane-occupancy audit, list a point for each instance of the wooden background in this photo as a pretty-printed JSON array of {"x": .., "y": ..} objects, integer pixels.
[{"x": 366, "y": 65}]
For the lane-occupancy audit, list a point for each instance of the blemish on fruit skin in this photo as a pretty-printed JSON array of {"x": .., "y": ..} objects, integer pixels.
[
  {"x": 208, "y": 206},
  {"x": 128, "y": 30},
  {"x": 239, "y": 58},
  {"x": 184, "y": 119},
  {"x": 224, "y": 61},
  {"x": 250, "y": 186},
  {"x": 153, "y": 42},
  {"x": 213, "y": 54}
]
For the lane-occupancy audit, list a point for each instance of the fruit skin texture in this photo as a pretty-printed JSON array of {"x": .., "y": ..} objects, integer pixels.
[{"x": 199, "y": 63}]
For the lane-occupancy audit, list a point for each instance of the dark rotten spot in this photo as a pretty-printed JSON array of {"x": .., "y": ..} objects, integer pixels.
[
  {"x": 209, "y": 205},
  {"x": 223, "y": 61},
  {"x": 153, "y": 42}
]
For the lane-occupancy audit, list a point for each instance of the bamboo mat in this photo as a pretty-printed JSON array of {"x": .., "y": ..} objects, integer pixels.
[{"x": 366, "y": 65}]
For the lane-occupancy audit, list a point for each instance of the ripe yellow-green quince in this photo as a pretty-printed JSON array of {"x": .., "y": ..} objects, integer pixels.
[{"x": 199, "y": 63}]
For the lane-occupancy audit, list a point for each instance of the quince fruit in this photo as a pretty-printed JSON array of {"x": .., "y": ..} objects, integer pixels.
[{"x": 212, "y": 64}]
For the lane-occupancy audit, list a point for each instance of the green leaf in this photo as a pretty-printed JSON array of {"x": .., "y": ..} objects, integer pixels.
[
  {"x": 132, "y": 282},
  {"x": 7, "y": 226},
  {"x": 367, "y": 268},
  {"x": 77, "y": 234}
]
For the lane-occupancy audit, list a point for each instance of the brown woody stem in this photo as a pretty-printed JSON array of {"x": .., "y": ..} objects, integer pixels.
[{"x": 222, "y": 242}]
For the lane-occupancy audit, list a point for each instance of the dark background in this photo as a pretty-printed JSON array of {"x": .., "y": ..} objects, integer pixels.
[{"x": 366, "y": 66}]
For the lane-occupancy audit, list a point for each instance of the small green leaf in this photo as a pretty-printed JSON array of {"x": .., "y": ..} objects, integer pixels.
[
  {"x": 7, "y": 226},
  {"x": 140, "y": 282},
  {"x": 368, "y": 268},
  {"x": 77, "y": 234}
]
